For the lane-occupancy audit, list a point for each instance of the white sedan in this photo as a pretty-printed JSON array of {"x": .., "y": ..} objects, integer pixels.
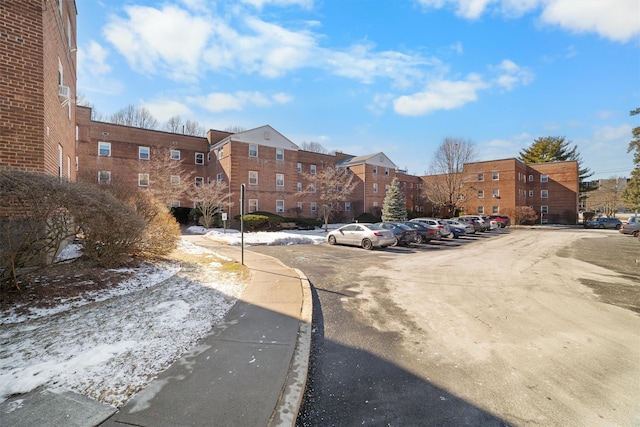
[{"x": 367, "y": 236}]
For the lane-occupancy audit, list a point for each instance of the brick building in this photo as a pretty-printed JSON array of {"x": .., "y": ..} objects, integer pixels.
[{"x": 37, "y": 86}]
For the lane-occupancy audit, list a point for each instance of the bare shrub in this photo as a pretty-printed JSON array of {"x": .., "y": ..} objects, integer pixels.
[{"x": 522, "y": 215}]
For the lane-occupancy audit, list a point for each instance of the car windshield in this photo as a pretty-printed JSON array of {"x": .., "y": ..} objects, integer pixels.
[{"x": 372, "y": 226}]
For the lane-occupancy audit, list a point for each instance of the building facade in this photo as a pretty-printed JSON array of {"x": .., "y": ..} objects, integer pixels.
[{"x": 37, "y": 86}]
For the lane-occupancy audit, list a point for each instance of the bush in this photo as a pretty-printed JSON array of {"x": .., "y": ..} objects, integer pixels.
[
  {"x": 367, "y": 217},
  {"x": 261, "y": 221}
]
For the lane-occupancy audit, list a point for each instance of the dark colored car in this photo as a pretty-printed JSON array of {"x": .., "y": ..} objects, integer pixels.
[
  {"x": 403, "y": 234},
  {"x": 424, "y": 234},
  {"x": 503, "y": 220},
  {"x": 604, "y": 222}
]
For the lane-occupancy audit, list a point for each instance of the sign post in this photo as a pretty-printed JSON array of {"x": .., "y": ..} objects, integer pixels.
[
  {"x": 224, "y": 222},
  {"x": 242, "y": 223}
]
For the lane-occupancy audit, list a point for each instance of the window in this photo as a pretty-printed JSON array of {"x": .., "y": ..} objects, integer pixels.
[
  {"x": 220, "y": 152},
  {"x": 480, "y": 177},
  {"x": 495, "y": 176},
  {"x": 253, "y": 177},
  {"x": 313, "y": 169},
  {"x": 530, "y": 178},
  {"x": 544, "y": 209},
  {"x": 544, "y": 194},
  {"x": 175, "y": 179},
  {"x": 104, "y": 177},
  {"x": 253, "y": 205},
  {"x": 279, "y": 180},
  {"x": 481, "y": 210},
  {"x": 386, "y": 171},
  {"x": 544, "y": 178},
  {"x": 175, "y": 154},
  {"x": 480, "y": 194},
  {"x": 496, "y": 193},
  {"x": 347, "y": 206},
  {"x": 530, "y": 193},
  {"x": 220, "y": 177},
  {"x": 374, "y": 204},
  {"x": 209, "y": 156},
  {"x": 175, "y": 204},
  {"x": 199, "y": 181},
  {"x": 143, "y": 153},
  {"x": 267, "y": 135},
  {"x": 253, "y": 150},
  {"x": 143, "y": 179},
  {"x": 104, "y": 148},
  {"x": 299, "y": 167},
  {"x": 299, "y": 187},
  {"x": 279, "y": 154},
  {"x": 312, "y": 187},
  {"x": 375, "y": 170},
  {"x": 299, "y": 206},
  {"x": 199, "y": 158},
  {"x": 314, "y": 207},
  {"x": 495, "y": 210},
  {"x": 387, "y": 187},
  {"x": 279, "y": 205},
  {"x": 375, "y": 187}
]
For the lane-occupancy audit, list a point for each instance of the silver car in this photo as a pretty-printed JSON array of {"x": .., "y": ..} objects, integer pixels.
[
  {"x": 367, "y": 236},
  {"x": 466, "y": 227},
  {"x": 632, "y": 228}
]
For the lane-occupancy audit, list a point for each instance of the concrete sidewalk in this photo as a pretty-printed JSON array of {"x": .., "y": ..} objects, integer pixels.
[{"x": 250, "y": 370}]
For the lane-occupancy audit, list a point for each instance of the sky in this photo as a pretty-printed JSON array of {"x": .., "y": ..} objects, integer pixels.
[{"x": 364, "y": 76}]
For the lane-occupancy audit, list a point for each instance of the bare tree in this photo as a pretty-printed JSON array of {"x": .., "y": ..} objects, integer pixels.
[
  {"x": 314, "y": 147},
  {"x": 82, "y": 101},
  {"x": 174, "y": 124},
  {"x": 210, "y": 200},
  {"x": 193, "y": 128},
  {"x": 134, "y": 116},
  {"x": 235, "y": 129},
  {"x": 446, "y": 187},
  {"x": 332, "y": 187},
  {"x": 168, "y": 181}
]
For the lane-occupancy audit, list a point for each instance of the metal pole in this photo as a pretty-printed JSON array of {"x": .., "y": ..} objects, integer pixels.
[{"x": 242, "y": 223}]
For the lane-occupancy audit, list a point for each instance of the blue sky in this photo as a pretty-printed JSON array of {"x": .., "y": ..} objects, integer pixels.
[{"x": 362, "y": 76}]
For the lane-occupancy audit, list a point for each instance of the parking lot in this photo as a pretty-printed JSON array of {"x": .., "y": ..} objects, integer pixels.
[{"x": 512, "y": 327}]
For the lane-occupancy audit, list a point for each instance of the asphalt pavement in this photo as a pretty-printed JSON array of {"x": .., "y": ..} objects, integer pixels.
[{"x": 250, "y": 370}]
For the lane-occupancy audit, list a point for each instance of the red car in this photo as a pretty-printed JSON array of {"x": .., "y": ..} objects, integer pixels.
[{"x": 502, "y": 220}]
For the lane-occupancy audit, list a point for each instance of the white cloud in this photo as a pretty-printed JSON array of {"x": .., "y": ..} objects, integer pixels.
[
  {"x": 511, "y": 75},
  {"x": 164, "y": 109},
  {"x": 93, "y": 59},
  {"x": 440, "y": 95},
  {"x": 617, "y": 20},
  {"x": 259, "y": 4},
  {"x": 169, "y": 38},
  {"x": 610, "y": 133},
  {"x": 217, "y": 102},
  {"x": 379, "y": 103}
]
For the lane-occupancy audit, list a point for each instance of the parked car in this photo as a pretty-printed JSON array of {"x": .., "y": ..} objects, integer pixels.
[
  {"x": 403, "y": 234},
  {"x": 473, "y": 222},
  {"x": 484, "y": 225},
  {"x": 604, "y": 222},
  {"x": 503, "y": 220},
  {"x": 632, "y": 228},
  {"x": 632, "y": 219},
  {"x": 467, "y": 228},
  {"x": 424, "y": 234},
  {"x": 367, "y": 236},
  {"x": 442, "y": 228},
  {"x": 493, "y": 224}
]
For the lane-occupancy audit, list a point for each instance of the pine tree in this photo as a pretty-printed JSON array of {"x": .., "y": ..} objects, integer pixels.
[
  {"x": 631, "y": 194},
  {"x": 394, "y": 207}
]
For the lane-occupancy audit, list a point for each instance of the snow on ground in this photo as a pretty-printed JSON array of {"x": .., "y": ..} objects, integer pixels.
[{"x": 111, "y": 344}]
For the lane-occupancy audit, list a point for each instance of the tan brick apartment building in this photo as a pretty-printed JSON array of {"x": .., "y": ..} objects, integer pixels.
[{"x": 37, "y": 86}]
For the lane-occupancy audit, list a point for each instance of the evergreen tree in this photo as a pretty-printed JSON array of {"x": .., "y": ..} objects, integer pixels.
[
  {"x": 631, "y": 194},
  {"x": 394, "y": 207}
]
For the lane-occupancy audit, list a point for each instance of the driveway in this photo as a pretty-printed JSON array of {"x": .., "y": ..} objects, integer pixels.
[{"x": 513, "y": 327}]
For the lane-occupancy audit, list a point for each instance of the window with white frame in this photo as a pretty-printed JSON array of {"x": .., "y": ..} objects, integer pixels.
[
  {"x": 175, "y": 179},
  {"x": 480, "y": 194},
  {"x": 279, "y": 180},
  {"x": 253, "y": 177},
  {"x": 220, "y": 152},
  {"x": 209, "y": 156},
  {"x": 313, "y": 169},
  {"x": 347, "y": 206},
  {"x": 544, "y": 178},
  {"x": 299, "y": 167},
  {"x": 387, "y": 187},
  {"x": 481, "y": 210},
  {"x": 374, "y": 204},
  {"x": 375, "y": 187},
  {"x": 199, "y": 158},
  {"x": 253, "y": 150},
  {"x": 143, "y": 179},
  {"x": 199, "y": 181},
  {"x": 495, "y": 210},
  {"x": 299, "y": 206},
  {"x": 496, "y": 193},
  {"x": 104, "y": 177},
  {"x": 544, "y": 194},
  {"x": 375, "y": 169},
  {"x": 314, "y": 206},
  {"x": 253, "y": 205},
  {"x": 495, "y": 176},
  {"x": 386, "y": 171},
  {"x": 480, "y": 177},
  {"x": 530, "y": 178},
  {"x": 279, "y": 154},
  {"x": 104, "y": 148},
  {"x": 175, "y": 204},
  {"x": 208, "y": 180},
  {"x": 220, "y": 177},
  {"x": 544, "y": 209},
  {"x": 143, "y": 153},
  {"x": 299, "y": 187},
  {"x": 175, "y": 154},
  {"x": 312, "y": 187},
  {"x": 530, "y": 193},
  {"x": 279, "y": 205}
]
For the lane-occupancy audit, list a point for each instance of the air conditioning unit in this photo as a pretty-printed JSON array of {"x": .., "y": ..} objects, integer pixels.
[{"x": 64, "y": 91}]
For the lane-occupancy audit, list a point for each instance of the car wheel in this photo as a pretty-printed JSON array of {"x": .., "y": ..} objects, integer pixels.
[
  {"x": 635, "y": 233},
  {"x": 617, "y": 226},
  {"x": 367, "y": 244},
  {"x": 396, "y": 243},
  {"x": 419, "y": 238},
  {"x": 332, "y": 240}
]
